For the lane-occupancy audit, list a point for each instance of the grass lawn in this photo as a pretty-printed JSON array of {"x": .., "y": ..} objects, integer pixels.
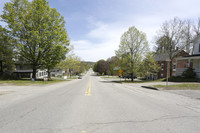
[
  {"x": 25, "y": 82},
  {"x": 111, "y": 77},
  {"x": 142, "y": 81},
  {"x": 179, "y": 87}
]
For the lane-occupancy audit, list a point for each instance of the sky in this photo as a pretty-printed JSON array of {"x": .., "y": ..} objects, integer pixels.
[{"x": 95, "y": 26}]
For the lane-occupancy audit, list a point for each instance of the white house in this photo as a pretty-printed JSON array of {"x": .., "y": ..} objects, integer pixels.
[
  {"x": 192, "y": 61},
  {"x": 25, "y": 71},
  {"x": 57, "y": 72}
]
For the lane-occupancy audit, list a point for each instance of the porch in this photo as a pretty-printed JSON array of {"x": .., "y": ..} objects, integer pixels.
[{"x": 183, "y": 63}]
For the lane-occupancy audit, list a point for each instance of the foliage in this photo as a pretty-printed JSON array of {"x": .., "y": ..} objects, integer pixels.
[
  {"x": 95, "y": 67},
  {"x": 131, "y": 49},
  {"x": 38, "y": 29},
  {"x": 106, "y": 67},
  {"x": 6, "y": 51},
  {"x": 113, "y": 62},
  {"x": 71, "y": 64},
  {"x": 8, "y": 76},
  {"x": 149, "y": 65},
  {"x": 102, "y": 67},
  {"x": 55, "y": 56},
  {"x": 87, "y": 65},
  {"x": 182, "y": 79},
  {"x": 189, "y": 73}
]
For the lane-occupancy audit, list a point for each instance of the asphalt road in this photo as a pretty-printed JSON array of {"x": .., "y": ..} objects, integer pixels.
[{"x": 94, "y": 105}]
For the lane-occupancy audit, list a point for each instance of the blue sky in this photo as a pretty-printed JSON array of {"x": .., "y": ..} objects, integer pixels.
[{"x": 95, "y": 26}]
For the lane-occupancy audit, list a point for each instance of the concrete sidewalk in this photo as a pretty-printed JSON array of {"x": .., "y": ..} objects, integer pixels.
[{"x": 194, "y": 94}]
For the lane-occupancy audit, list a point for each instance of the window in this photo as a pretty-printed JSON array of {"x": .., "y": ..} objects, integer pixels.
[
  {"x": 1, "y": 69},
  {"x": 162, "y": 66},
  {"x": 199, "y": 47},
  {"x": 161, "y": 75},
  {"x": 174, "y": 67}
]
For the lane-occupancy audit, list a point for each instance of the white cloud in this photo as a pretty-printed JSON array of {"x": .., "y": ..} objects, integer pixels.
[
  {"x": 101, "y": 42},
  {"x": 92, "y": 53},
  {"x": 104, "y": 38}
]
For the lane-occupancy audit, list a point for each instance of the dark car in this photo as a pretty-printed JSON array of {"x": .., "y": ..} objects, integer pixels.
[
  {"x": 129, "y": 76},
  {"x": 80, "y": 77}
]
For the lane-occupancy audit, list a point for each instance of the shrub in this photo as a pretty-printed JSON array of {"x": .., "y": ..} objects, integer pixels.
[
  {"x": 189, "y": 73},
  {"x": 182, "y": 79},
  {"x": 8, "y": 76}
]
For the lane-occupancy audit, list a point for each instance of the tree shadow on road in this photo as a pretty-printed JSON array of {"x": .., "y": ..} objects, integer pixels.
[{"x": 111, "y": 81}]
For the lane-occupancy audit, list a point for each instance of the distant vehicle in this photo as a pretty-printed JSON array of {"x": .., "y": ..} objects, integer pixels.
[
  {"x": 80, "y": 77},
  {"x": 129, "y": 76}
]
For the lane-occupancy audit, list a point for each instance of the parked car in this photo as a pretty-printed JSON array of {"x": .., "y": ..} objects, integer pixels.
[
  {"x": 80, "y": 77},
  {"x": 129, "y": 76}
]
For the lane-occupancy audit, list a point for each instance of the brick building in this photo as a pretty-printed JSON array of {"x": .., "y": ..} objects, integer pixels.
[{"x": 162, "y": 61}]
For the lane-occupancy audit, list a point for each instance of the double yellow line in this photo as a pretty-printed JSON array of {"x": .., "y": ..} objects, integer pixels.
[{"x": 88, "y": 90}]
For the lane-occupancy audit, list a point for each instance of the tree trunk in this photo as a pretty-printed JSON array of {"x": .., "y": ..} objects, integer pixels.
[
  {"x": 170, "y": 68},
  {"x": 1, "y": 66},
  {"x": 69, "y": 73},
  {"x": 34, "y": 72},
  {"x": 132, "y": 71},
  {"x": 132, "y": 79},
  {"x": 49, "y": 75}
]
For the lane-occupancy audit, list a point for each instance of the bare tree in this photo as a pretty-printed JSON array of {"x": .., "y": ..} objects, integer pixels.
[
  {"x": 170, "y": 38},
  {"x": 188, "y": 36},
  {"x": 197, "y": 27}
]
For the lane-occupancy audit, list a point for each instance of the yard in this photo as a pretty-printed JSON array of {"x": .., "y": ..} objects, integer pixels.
[
  {"x": 28, "y": 82},
  {"x": 184, "y": 86}
]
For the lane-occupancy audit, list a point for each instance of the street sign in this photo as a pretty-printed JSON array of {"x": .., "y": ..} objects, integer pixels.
[{"x": 120, "y": 72}]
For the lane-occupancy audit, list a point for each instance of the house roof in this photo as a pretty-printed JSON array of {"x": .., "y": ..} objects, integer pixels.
[
  {"x": 194, "y": 55},
  {"x": 165, "y": 56},
  {"x": 161, "y": 57},
  {"x": 196, "y": 38}
]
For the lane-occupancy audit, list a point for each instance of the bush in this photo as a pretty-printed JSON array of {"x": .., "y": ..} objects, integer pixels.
[
  {"x": 182, "y": 79},
  {"x": 189, "y": 73},
  {"x": 8, "y": 76}
]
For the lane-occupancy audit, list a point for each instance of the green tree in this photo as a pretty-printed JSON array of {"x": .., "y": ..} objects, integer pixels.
[
  {"x": 38, "y": 30},
  {"x": 95, "y": 67},
  {"x": 112, "y": 63},
  {"x": 55, "y": 56},
  {"x": 71, "y": 64},
  {"x": 132, "y": 47},
  {"x": 149, "y": 65},
  {"x": 102, "y": 67},
  {"x": 86, "y": 65},
  {"x": 6, "y": 51}
]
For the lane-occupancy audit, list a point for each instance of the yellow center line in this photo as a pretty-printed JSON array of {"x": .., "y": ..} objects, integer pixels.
[{"x": 88, "y": 91}]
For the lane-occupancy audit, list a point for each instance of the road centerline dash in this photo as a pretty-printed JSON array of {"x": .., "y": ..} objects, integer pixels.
[{"x": 88, "y": 90}]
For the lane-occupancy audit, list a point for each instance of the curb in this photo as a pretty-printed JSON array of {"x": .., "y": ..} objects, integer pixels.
[{"x": 152, "y": 88}]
